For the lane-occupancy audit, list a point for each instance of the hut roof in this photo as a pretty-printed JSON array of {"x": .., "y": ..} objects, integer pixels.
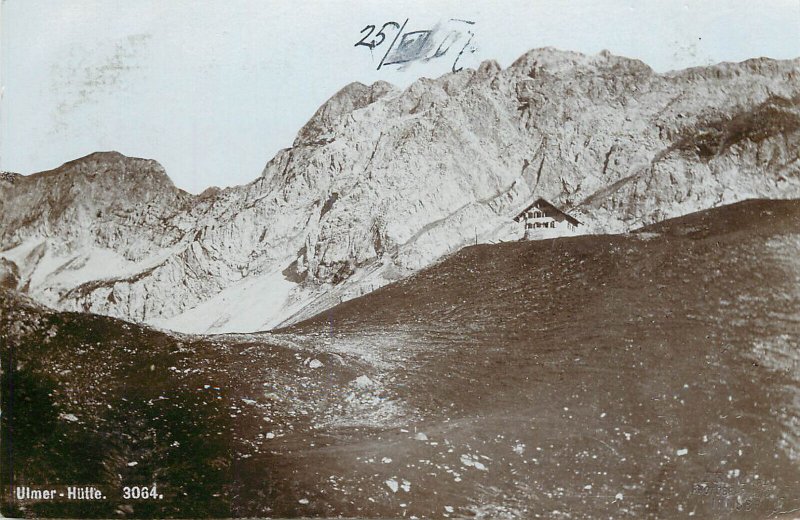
[{"x": 544, "y": 203}]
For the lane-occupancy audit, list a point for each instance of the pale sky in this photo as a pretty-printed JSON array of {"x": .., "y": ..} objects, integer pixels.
[{"x": 213, "y": 89}]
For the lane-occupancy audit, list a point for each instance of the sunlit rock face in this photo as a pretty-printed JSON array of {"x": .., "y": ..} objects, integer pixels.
[{"x": 382, "y": 182}]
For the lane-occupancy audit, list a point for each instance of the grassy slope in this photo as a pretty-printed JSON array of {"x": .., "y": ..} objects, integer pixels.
[
  {"x": 90, "y": 400},
  {"x": 571, "y": 371},
  {"x": 604, "y": 356}
]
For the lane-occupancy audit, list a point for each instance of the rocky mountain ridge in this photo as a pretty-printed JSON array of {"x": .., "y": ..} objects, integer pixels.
[{"x": 382, "y": 182}]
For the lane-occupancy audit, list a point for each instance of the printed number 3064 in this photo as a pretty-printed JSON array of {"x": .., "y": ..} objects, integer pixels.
[{"x": 140, "y": 493}]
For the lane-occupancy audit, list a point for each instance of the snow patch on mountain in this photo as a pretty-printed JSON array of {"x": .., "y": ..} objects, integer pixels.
[{"x": 251, "y": 304}]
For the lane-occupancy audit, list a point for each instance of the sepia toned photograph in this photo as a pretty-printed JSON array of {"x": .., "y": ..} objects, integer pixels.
[{"x": 400, "y": 259}]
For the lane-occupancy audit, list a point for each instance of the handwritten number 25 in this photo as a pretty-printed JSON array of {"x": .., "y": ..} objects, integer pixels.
[{"x": 374, "y": 43}]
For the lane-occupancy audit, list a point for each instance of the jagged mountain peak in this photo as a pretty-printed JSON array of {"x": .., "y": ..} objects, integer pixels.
[
  {"x": 383, "y": 181},
  {"x": 104, "y": 199},
  {"x": 556, "y": 61},
  {"x": 113, "y": 164},
  {"x": 101, "y": 178},
  {"x": 102, "y": 156},
  {"x": 351, "y": 97},
  {"x": 788, "y": 69}
]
